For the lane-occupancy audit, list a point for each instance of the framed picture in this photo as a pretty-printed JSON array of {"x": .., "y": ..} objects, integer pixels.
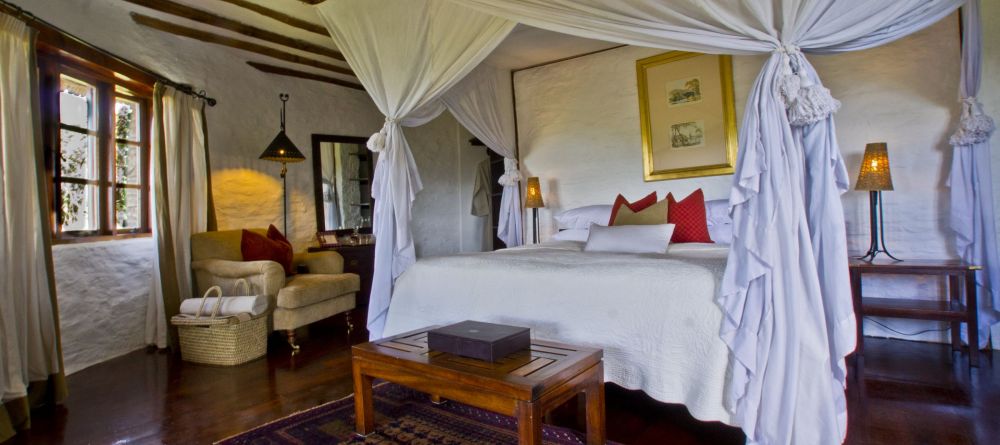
[{"x": 687, "y": 114}]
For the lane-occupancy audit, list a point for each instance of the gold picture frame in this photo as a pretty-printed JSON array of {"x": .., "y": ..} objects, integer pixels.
[{"x": 687, "y": 113}]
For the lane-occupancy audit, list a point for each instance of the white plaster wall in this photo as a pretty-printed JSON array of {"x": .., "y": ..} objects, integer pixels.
[
  {"x": 247, "y": 191},
  {"x": 578, "y": 124},
  {"x": 102, "y": 289}
]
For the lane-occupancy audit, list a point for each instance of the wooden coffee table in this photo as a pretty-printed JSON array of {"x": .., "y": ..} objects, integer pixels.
[{"x": 525, "y": 384}]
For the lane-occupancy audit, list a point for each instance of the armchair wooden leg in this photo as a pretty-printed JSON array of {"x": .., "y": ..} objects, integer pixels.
[
  {"x": 290, "y": 335},
  {"x": 350, "y": 324}
]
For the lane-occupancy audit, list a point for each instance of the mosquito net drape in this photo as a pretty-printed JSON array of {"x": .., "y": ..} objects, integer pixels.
[
  {"x": 483, "y": 103},
  {"x": 789, "y": 315},
  {"x": 406, "y": 53},
  {"x": 971, "y": 179}
]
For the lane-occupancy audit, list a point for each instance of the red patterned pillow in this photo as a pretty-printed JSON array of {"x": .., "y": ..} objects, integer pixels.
[
  {"x": 637, "y": 206},
  {"x": 257, "y": 247},
  {"x": 688, "y": 216}
]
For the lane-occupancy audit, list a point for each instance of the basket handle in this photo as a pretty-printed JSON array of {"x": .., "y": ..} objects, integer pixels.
[
  {"x": 246, "y": 287},
  {"x": 204, "y": 299}
]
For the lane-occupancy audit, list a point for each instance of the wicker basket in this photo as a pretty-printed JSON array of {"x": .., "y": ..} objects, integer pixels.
[{"x": 223, "y": 341}]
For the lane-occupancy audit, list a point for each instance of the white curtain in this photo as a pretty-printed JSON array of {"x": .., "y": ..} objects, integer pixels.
[
  {"x": 28, "y": 326},
  {"x": 483, "y": 102},
  {"x": 180, "y": 202},
  {"x": 972, "y": 216},
  {"x": 406, "y": 53},
  {"x": 789, "y": 313}
]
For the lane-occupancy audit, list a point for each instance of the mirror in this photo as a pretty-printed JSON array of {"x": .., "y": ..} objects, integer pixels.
[{"x": 342, "y": 172}]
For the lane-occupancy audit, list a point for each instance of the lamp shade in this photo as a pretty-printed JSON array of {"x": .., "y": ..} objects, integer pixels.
[
  {"x": 534, "y": 195},
  {"x": 281, "y": 149},
  {"x": 875, "y": 173}
]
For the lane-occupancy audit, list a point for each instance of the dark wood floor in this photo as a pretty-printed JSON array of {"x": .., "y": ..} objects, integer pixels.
[{"x": 914, "y": 393}]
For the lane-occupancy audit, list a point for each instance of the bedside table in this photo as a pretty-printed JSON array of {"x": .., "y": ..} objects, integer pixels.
[{"x": 952, "y": 309}]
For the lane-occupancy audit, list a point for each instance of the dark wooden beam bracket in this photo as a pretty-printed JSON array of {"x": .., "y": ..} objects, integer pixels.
[
  {"x": 282, "y": 71},
  {"x": 279, "y": 16},
  {"x": 208, "y": 18},
  {"x": 217, "y": 39}
]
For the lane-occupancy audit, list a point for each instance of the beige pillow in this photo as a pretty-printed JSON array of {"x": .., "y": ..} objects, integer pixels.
[{"x": 652, "y": 215}]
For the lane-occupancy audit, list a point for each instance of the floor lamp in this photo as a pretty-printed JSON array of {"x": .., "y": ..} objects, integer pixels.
[
  {"x": 875, "y": 177},
  {"x": 534, "y": 202},
  {"x": 283, "y": 150}
]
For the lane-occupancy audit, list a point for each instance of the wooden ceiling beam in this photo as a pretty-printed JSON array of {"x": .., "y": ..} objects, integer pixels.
[
  {"x": 280, "y": 16},
  {"x": 282, "y": 71},
  {"x": 208, "y": 18},
  {"x": 208, "y": 37}
]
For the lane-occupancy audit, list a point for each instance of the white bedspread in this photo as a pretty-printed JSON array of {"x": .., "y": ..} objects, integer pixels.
[{"x": 654, "y": 315}]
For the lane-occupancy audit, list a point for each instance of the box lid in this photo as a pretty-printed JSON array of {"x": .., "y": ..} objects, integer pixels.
[{"x": 478, "y": 330}]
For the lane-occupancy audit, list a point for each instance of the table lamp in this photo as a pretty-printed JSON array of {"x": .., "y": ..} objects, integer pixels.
[
  {"x": 534, "y": 201},
  {"x": 875, "y": 177},
  {"x": 283, "y": 150}
]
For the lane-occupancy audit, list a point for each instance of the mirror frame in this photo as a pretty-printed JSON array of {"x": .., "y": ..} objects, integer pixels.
[{"x": 317, "y": 141}]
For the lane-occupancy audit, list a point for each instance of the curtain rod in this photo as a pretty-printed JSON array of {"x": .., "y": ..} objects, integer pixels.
[{"x": 34, "y": 21}]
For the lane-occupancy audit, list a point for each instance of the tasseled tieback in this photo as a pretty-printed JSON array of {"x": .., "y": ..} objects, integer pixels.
[
  {"x": 974, "y": 127},
  {"x": 376, "y": 142},
  {"x": 806, "y": 101},
  {"x": 511, "y": 175}
]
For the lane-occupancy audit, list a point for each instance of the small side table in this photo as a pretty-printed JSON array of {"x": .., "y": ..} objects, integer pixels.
[{"x": 953, "y": 309}]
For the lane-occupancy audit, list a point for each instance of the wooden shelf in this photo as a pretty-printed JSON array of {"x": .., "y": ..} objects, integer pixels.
[{"x": 917, "y": 309}]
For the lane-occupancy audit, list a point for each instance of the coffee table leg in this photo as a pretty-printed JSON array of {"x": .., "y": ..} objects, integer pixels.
[
  {"x": 596, "y": 433},
  {"x": 529, "y": 423},
  {"x": 364, "y": 414}
]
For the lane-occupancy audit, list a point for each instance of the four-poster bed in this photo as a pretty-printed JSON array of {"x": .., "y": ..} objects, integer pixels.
[{"x": 787, "y": 317}]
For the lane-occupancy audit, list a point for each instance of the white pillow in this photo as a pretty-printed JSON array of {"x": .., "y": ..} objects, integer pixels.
[
  {"x": 721, "y": 233},
  {"x": 583, "y": 217},
  {"x": 717, "y": 212},
  {"x": 572, "y": 235},
  {"x": 630, "y": 239}
]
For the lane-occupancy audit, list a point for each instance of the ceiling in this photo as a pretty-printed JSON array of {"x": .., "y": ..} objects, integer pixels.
[{"x": 524, "y": 47}]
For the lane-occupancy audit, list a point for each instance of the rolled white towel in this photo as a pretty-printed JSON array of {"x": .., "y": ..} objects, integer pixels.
[{"x": 254, "y": 305}]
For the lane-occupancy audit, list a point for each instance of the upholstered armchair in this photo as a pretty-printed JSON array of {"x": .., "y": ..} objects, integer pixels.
[{"x": 295, "y": 301}]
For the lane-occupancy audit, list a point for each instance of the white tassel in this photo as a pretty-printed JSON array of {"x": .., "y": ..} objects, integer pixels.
[
  {"x": 807, "y": 102},
  {"x": 813, "y": 104},
  {"x": 974, "y": 127},
  {"x": 376, "y": 142},
  {"x": 511, "y": 175}
]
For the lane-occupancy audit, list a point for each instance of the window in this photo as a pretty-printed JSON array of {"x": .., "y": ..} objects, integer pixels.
[{"x": 96, "y": 133}]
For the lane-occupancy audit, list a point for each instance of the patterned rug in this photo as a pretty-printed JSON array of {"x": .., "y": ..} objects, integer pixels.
[{"x": 403, "y": 416}]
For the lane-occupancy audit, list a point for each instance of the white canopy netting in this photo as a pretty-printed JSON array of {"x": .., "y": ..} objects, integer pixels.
[{"x": 789, "y": 319}]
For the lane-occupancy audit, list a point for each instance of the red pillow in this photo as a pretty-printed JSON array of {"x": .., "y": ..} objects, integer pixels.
[
  {"x": 257, "y": 247},
  {"x": 637, "y": 206},
  {"x": 275, "y": 235},
  {"x": 688, "y": 218}
]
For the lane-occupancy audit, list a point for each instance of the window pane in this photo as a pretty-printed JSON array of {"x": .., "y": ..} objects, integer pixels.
[
  {"x": 78, "y": 155},
  {"x": 127, "y": 164},
  {"x": 79, "y": 206},
  {"x": 128, "y": 208},
  {"x": 76, "y": 103},
  {"x": 126, "y": 119}
]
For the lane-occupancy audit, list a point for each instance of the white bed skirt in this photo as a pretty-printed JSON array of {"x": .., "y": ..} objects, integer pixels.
[{"x": 655, "y": 316}]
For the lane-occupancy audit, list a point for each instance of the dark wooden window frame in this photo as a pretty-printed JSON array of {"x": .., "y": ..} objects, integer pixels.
[{"x": 54, "y": 59}]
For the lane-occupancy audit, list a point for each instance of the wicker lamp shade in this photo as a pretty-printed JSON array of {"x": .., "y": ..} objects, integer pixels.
[
  {"x": 282, "y": 149},
  {"x": 534, "y": 195},
  {"x": 875, "y": 173}
]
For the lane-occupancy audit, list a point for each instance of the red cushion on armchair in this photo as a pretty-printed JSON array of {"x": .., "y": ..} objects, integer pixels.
[{"x": 257, "y": 247}]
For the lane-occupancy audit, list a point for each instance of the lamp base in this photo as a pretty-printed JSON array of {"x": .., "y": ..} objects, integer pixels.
[
  {"x": 877, "y": 245},
  {"x": 534, "y": 231}
]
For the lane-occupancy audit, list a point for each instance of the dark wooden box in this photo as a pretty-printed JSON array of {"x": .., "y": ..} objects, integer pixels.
[{"x": 478, "y": 340}]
